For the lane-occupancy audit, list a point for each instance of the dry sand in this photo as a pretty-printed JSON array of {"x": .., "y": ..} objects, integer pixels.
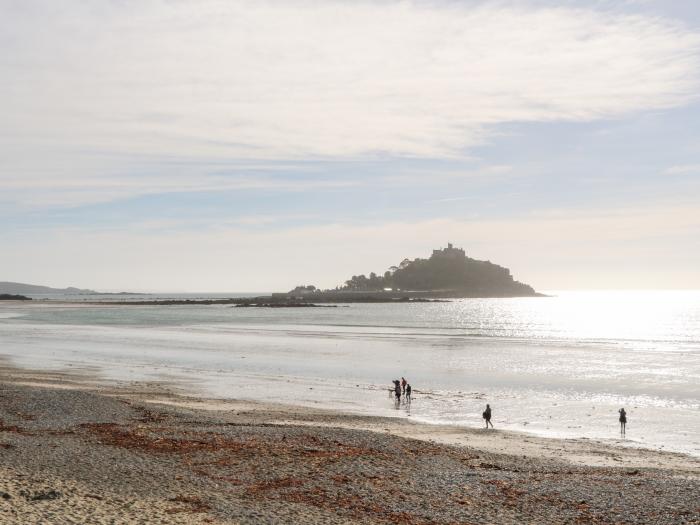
[{"x": 74, "y": 450}]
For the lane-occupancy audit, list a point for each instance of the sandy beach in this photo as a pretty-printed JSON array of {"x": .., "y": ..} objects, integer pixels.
[{"x": 77, "y": 451}]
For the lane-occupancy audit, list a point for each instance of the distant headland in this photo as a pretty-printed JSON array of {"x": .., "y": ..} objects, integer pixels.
[
  {"x": 34, "y": 289},
  {"x": 10, "y": 288}
]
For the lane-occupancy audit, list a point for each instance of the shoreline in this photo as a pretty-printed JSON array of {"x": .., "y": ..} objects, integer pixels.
[
  {"x": 612, "y": 452},
  {"x": 75, "y": 449}
]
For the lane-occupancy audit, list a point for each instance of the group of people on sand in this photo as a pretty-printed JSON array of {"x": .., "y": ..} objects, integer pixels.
[{"x": 401, "y": 388}]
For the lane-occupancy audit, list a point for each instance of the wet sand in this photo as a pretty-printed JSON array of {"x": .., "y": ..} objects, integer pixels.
[{"x": 74, "y": 450}]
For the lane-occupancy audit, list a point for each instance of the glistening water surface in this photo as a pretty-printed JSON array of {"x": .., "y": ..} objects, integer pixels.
[{"x": 558, "y": 366}]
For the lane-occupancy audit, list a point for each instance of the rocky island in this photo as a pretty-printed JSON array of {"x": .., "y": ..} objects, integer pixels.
[
  {"x": 447, "y": 273},
  {"x": 13, "y": 297}
]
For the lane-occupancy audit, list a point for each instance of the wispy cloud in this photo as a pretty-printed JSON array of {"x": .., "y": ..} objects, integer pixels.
[
  {"x": 683, "y": 169},
  {"x": 448, "y": 199},
  {"x": 301, "y": 79},
  {"x": 62, "y": 191}
]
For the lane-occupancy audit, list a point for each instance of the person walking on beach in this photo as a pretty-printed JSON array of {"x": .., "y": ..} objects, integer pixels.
[
  {"x": 487, "y": 416},
  {"x": 403, "y": 385},
  {"x": 407, "y": 394},
  {"x": 397, "y": 393},
  {"x": 623, "y": 421}
]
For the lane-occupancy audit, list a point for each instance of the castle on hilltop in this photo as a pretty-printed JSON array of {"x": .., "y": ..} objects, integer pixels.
[{"x": 449, "y": 253}]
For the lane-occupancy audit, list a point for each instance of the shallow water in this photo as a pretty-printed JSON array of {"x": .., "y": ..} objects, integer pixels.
[{"x": 558, "y": 366}]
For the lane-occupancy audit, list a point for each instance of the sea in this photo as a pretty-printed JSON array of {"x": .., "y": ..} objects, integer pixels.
[{"x": 559, "y": 366}]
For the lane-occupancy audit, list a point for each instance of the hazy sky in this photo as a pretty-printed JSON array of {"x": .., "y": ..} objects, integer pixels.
[{"x": 255, "y": 145}]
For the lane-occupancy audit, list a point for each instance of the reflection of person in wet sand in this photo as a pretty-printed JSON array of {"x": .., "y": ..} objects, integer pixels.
[
  {"x": 487, "y": 416},
  {"x": 623, "y": 421}
]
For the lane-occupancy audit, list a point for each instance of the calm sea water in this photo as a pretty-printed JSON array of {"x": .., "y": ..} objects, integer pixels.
[{"x": 558, "y": 366}]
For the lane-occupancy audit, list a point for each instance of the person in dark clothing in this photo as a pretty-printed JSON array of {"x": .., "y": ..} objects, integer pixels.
[
  {"x": 407, "y": 394},
  {"x": 487, "y": 416},
  {"x": 397, "y": 393},
  {"x": 623, "y": 421},
  {"x": 403, "y": 385}
]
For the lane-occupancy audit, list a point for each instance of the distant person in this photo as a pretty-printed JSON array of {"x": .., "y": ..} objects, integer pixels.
[
  {"x": 403, "y": 385},
  {"x": 623, "y": 421},
  {"x": 487, "y": 416},
  {"x": 397, "y": 393},
  {"x": 407, "y": 394}
]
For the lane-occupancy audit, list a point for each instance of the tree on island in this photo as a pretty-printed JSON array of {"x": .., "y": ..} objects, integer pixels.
[{"x": 304, "y": 289}]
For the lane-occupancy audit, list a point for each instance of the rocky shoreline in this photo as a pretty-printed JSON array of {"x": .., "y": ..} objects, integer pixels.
[{"x": 75, "y": 453}]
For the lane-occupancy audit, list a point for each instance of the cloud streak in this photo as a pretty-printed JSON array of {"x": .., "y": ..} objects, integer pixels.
[
  {"x": 302, "y": 79},
  {"x": 683, "y": 169}
]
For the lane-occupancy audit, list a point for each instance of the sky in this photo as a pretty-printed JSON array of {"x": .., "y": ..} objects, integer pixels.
[{"x": 250, "y": 146}]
